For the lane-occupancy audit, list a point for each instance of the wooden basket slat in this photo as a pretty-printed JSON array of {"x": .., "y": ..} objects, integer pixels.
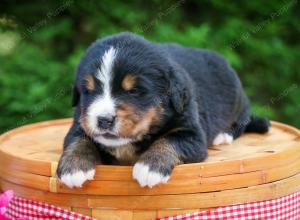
[
  {"x": 202, "y": 184},
  {"x": 201, "y": 200},
  {"x": 264, "y": 161},
  {"x": 42, "y": 168},
  {"x": 174, "y": 186},
  {"x": 62, "y": 200},
  {"x": 144, "y": 215},
  {"x": 163, "y": 202},
  {"x": 26, "y": 179}
]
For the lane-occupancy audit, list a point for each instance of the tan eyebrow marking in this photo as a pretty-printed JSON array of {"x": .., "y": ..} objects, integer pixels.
[
  {"x": 128, "y": 82},
  {"x": 90, "y": 82}
]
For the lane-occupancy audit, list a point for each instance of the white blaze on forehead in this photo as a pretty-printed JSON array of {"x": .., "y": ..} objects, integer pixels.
[
  {"x": 104, "y": 74},
  {"x": 104, "y": 104}
]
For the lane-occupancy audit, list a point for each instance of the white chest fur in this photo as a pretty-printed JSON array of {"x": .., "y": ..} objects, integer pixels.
[{"x": 125, "y": 154}]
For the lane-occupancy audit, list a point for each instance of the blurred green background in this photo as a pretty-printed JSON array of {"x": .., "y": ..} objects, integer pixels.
[{"x": 41, "y": 43}]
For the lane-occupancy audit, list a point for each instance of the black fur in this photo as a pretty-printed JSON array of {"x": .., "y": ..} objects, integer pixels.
[
  {"x": 200, "y": 93},
  {"x": 258, "y": 125}
]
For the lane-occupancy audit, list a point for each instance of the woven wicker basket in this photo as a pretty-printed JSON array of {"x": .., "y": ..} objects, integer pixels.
[{"x": 254, "y": 168}]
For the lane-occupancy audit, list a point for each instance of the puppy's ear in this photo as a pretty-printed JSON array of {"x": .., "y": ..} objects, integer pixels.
[
  {"x": 75, "y": 97},
  {"x": 178, "y": 89}
]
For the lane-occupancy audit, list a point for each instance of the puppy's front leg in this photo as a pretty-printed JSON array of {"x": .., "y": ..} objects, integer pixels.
[
  {"x": 156, "y": 164},
  {"x": 77, "y": 163}
]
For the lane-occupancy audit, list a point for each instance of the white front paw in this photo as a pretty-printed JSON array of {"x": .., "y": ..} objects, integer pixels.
[
  {"x": 145, "y": 177},
  {"x": 76, "y": 179}
]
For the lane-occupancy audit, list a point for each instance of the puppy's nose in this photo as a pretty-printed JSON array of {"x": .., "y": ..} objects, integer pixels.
[{"x": 106, "y": 122}]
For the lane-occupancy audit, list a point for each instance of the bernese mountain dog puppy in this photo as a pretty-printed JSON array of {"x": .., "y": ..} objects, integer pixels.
[{"x": 153, "y": 106}]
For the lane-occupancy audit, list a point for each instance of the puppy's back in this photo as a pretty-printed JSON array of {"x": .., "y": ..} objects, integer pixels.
[{"x": 217, "y": 88}]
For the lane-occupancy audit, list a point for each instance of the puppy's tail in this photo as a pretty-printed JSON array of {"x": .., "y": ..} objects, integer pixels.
[{"x": 258, "y": 125}]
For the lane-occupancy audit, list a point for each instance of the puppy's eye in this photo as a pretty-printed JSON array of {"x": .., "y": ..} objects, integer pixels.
[
  {"x": 133, "y": 91},
  {"x": 86, "y": 90},
  {"x": 137, "y": 92}
]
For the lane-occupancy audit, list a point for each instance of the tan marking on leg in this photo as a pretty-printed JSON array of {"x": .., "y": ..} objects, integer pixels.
[{"x": 166, "y": 150}]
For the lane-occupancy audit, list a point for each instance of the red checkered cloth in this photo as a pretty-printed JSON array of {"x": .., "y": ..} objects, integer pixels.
[
  {"x": 29, "y": 209},
  {"x": 284, "y": 208}
]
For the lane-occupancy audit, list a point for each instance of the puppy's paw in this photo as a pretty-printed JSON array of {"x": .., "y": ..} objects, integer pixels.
[
  {"x": 148, "y": 177},
  {"x": 77, "y": 178},
  {"x": 73, "y": 170}
]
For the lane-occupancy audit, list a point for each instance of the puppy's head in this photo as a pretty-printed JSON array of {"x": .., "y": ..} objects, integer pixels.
[{"x": 121, "y": 94}]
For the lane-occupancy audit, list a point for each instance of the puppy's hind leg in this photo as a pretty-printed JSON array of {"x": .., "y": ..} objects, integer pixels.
[
  {"x": 223, "y": 138},
  {"x": 238, "y": 127}
]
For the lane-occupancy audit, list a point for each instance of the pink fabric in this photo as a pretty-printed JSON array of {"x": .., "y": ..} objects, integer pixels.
[
  {"x": 29, "y": 209},
  {"x": 284, "y": 208},
  {"x": 5, "y": 199}
]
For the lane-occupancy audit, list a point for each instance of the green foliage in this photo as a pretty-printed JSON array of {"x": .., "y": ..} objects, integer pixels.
[{"x": 41, "y": 43}]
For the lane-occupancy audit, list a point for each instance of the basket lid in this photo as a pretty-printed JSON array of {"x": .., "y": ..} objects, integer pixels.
[{"x": 33, "y": 151}]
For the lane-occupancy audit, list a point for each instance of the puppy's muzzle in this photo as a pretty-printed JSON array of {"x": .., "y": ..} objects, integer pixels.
[{"x": 106, "y": 123}]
